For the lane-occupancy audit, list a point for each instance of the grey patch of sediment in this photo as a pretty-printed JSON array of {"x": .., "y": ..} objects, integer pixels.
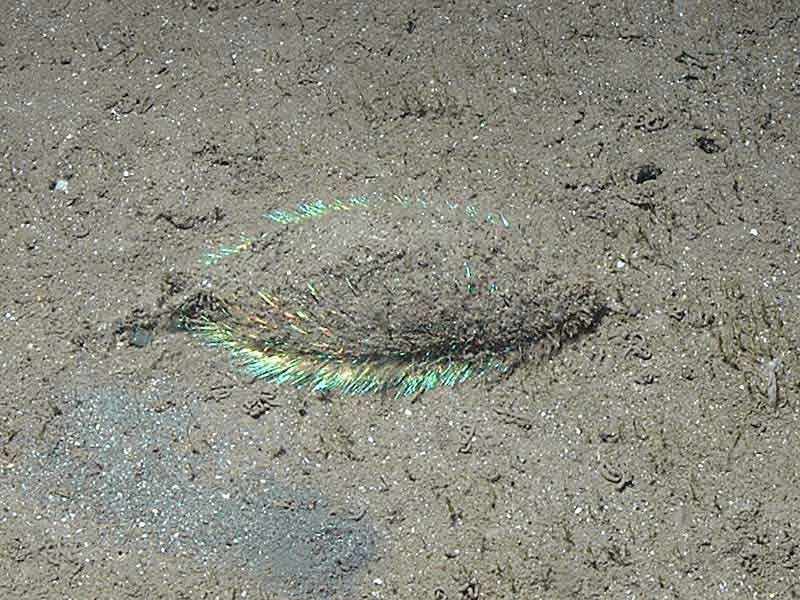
[{"x": 128, "y": 465}]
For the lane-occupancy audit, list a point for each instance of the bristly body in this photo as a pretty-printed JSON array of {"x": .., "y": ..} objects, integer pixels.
[{"x": 373, "y": 294}]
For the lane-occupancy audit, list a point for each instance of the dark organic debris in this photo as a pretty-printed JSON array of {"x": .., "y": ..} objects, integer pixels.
[
  {"x": 707, "y": 145},
  {"x": 646, "y": 173}
]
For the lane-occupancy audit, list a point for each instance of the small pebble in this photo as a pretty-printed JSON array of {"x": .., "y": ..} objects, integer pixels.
[{"x": 140, "y": 337}]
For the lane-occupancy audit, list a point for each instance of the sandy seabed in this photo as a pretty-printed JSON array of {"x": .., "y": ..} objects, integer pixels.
[{"x": 652, "y": 148}]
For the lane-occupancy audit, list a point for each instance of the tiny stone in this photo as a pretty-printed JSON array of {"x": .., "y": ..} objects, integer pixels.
[{"x": 140, "y": 337}]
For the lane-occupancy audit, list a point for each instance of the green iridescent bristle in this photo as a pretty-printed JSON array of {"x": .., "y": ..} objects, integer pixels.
[
  {"x": 210, "y": 258},
  {"x": 256, "y": 343},
  {"x": 305, "y": 211},
  {"x": 320, "y": 371}
]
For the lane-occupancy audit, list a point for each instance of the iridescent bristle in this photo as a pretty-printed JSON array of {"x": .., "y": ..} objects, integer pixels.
[
  {"x": 304, "y": 211},
  {"x": 321, "y": 371}
]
